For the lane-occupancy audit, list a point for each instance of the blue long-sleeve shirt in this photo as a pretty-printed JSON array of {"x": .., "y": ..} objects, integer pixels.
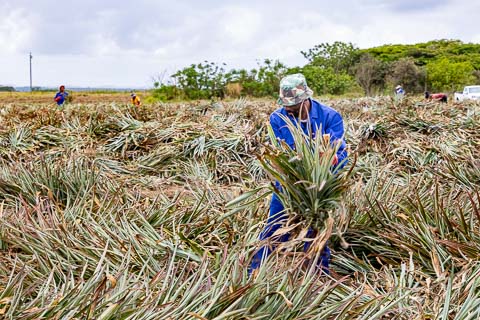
[
  {"x": 320, "y": 116},
  {"x": 61, "y": 97}
]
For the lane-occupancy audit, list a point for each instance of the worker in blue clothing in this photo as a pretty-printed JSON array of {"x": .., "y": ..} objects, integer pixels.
[
  {"x": 61, "y": 95},
  {"x": 399, "y": 91},
  {"x": 297, "y": 104}
]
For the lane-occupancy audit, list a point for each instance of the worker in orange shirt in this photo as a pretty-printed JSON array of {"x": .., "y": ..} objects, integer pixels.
[{"x": 135, "y": 99}]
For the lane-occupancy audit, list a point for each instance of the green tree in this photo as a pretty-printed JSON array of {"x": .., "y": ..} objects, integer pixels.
[
  {"x": 329, "y": 67},
  {"x": 426, "y": 52},
  {"x": 406, "y": 73},
  {"x": 7, "y": 89},
  {"x": 262, "y": 81},
  {"x": 370, "y": 73},
  {"x": 444, "y": 75},
  {"x": 339, "y": 56},
  {"x": 325, "y": 80},
  {"x": 203, "y": 80},
  {"x": 476, "y": 74}
]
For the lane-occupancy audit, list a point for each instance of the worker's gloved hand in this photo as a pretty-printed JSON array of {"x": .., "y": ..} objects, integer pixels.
[
  {"x": 57, "y": 99},
  {"x": 335, "y": 160}
]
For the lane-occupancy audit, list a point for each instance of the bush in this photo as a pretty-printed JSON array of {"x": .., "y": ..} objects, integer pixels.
[
  {"x": 444, "y": 75},
  {"x": 202, "y": 81},
  {"x": 7, "y": 89},
  {"x": 409, "y": 75},
  {"x": 166, "y": 93},
  {"x": 325, "y": 80}
]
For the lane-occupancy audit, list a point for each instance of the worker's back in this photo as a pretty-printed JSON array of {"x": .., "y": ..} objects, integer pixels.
[{"x": 135, "y": 100}]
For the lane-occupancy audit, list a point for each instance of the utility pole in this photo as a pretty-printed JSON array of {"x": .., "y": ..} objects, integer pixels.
[{"x": 31, "y": 89}]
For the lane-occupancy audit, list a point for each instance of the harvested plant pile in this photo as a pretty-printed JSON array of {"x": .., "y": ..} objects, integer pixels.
[{"x": 111, "y": 212}]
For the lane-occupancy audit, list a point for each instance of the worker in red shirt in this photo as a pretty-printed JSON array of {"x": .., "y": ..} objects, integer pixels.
[
  {"x": 61, "y": 95},
  {"x": 436, "y": 96}
]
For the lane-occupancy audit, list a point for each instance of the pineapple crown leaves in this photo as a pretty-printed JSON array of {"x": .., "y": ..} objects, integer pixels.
[{"x": 311, "y": 185}]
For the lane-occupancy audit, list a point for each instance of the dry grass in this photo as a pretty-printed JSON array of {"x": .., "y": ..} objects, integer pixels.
[
  {"x": 114, "y": 212},
  {"x": 79, "y": 97}
]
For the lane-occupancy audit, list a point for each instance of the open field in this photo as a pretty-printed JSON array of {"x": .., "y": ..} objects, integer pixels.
[
  {"x": 27, "y": 98},
  {"x": 114, "y": 212}
]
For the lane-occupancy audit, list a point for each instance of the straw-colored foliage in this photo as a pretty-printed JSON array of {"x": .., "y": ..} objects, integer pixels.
[{"x": 114, "y": 212}]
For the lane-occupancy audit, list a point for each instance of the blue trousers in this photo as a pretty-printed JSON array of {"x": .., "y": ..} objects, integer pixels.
[{"x": 275, "y": 219}]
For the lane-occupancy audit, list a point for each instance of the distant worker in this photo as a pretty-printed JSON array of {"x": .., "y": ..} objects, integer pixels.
[
  {"x": 135, "y": 99},
  {"x": 399, "y": 92},
  {"x": 61, "y": 95},
  {"x": 442, "y": 97}
]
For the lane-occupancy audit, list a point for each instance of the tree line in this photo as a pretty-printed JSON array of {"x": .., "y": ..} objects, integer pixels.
[{"x": 337, "y": 68}]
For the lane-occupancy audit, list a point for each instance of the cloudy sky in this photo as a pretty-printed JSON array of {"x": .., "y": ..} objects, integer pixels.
[{"x": 126, "y": 43}]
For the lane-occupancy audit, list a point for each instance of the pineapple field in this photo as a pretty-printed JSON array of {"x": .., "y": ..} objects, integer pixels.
[{"x": 109, "y": 211}]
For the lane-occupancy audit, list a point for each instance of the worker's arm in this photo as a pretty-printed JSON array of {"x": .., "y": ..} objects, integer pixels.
[
  {"x": 335, "y": 128},
  {"x": 280, "y": 129}
]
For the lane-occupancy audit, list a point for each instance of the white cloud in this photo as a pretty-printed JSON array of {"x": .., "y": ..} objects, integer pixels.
[
  {"x": 124, "y": 43},
  {"x": 238, "y": 25},
  {"x": 15, "y": 30}
]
